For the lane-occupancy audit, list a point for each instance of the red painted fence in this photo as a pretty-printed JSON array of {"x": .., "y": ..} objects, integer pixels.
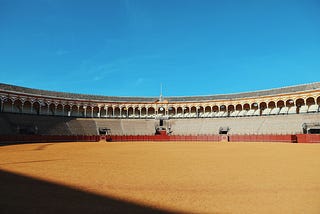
[
  {"x": 48, "y": 138},
  {"x": 308, "y": 138},
  {"x": 263, "y": 138},
  {"x": 166, "y": 138},
  {"x": 300, "y": 138}
]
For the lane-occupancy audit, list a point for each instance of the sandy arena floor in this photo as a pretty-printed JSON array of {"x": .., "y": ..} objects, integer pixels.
[{"x": 163, "y": 177}]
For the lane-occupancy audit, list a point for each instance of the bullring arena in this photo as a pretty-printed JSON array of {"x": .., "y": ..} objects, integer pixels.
[{"x": 252, "y": 152}]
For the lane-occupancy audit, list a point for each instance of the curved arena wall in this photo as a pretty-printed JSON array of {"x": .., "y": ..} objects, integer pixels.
[
  {"x": 269, "y": 112},
  {"x": 288, "y": 100}
]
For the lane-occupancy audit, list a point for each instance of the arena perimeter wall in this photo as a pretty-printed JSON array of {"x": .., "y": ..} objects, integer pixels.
[
  {"x": 214, "y": 138},
  {"x": 299, "y": 138}
]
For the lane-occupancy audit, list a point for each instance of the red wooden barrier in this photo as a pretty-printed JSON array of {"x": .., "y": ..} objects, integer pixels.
[
  {"x": 308, "y": 138},
  {"x": 301, "y": 138}
]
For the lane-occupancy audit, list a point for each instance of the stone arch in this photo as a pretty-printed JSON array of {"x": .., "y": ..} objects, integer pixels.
[
  {"x": 271, "y": 104},
  {"x": 89, "y": 111},
  {"x": 186, "y": 109},
  {"x": 80, "y": 111},
  {"x": 310, "y": 101},
  {"x": 116, "y": 111},
  {"x": 193, "y": 110},
  {"x": 130, "y": 111},
  {"x": 52, "y": 108},
  {"x": 222, "y": 108},
  {"x": 200, "y": 110},
  {"x": 280, "y": 104},
  {"x": 215, "y": 108},
  {"x": 263, "y": 105},
  {"x": 179, "y": 110},
  {"x": 17, "y": 106},
  {"x": 103, "y": 111},
  {"x": 74, "y": 111},
  {"x": 95, "y": 112},
  {"x": 109, "y": 111},
  {"x": 171, "y": 110},
  {"x": 246, "y": 106},
  {"x": 36, "y": 108},
  {"x": 290, "y": 103},
  {"x": 230, "y": 108},
  {"x": 59, "y": 110},
  {"x": 161, "y": 110},
  {"x": 136, "y": 111},
  {"x": 239, "y": 107},
  {"x": 124, "y": 111},
  {"x": 44, "y": 107},
  {"x": 207, "y": 109},
  {"x": 143, "y": 111},
  {"x": 300, "y": 102},
  {"x": 27, "y": 107},
  {"x": 7, "y": 105},
  {"x": 254, "y": 106},
  {"x": 67, "y": 110},
  {"x": 151, "y": 111}
]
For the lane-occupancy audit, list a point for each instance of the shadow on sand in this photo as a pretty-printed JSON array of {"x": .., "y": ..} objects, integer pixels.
[{"x": 22, "y": 194}]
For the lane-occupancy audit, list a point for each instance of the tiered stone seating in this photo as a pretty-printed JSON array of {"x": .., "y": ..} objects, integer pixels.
[
  {"x": 113, "y": 124},
  {"x": 44, "y": 125},
  {"x": 5, "y": 127},
  {"x": 82, "y": 126},
  {"x": 273, "y": 124},
  {"x": 137, "y": 127},
  {"x": 52, "y": 125}
]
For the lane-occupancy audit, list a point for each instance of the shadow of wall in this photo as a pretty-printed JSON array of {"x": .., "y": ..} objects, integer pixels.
[{"x": 22, "y": 194}]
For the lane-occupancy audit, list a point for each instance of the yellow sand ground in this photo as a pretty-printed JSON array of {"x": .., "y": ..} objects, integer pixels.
[{"x": 191, "y": 177}]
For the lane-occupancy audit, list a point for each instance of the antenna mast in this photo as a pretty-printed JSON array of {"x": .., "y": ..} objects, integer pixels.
[{"x": 160, "y": 98}]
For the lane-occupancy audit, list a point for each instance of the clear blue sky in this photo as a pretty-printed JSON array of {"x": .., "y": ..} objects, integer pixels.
[{"x": 128, "y": 47}]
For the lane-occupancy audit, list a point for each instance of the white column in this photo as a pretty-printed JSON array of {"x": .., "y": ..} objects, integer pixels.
[
  {"x": 106, "y": 110},
  {"x": 31, "y": 108},
  {"x": 63, "y": 110},
  {"x": 2, "y": 105},
  {"x": 48, "y": 110},
  {"x": 99, "y": 112}
]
